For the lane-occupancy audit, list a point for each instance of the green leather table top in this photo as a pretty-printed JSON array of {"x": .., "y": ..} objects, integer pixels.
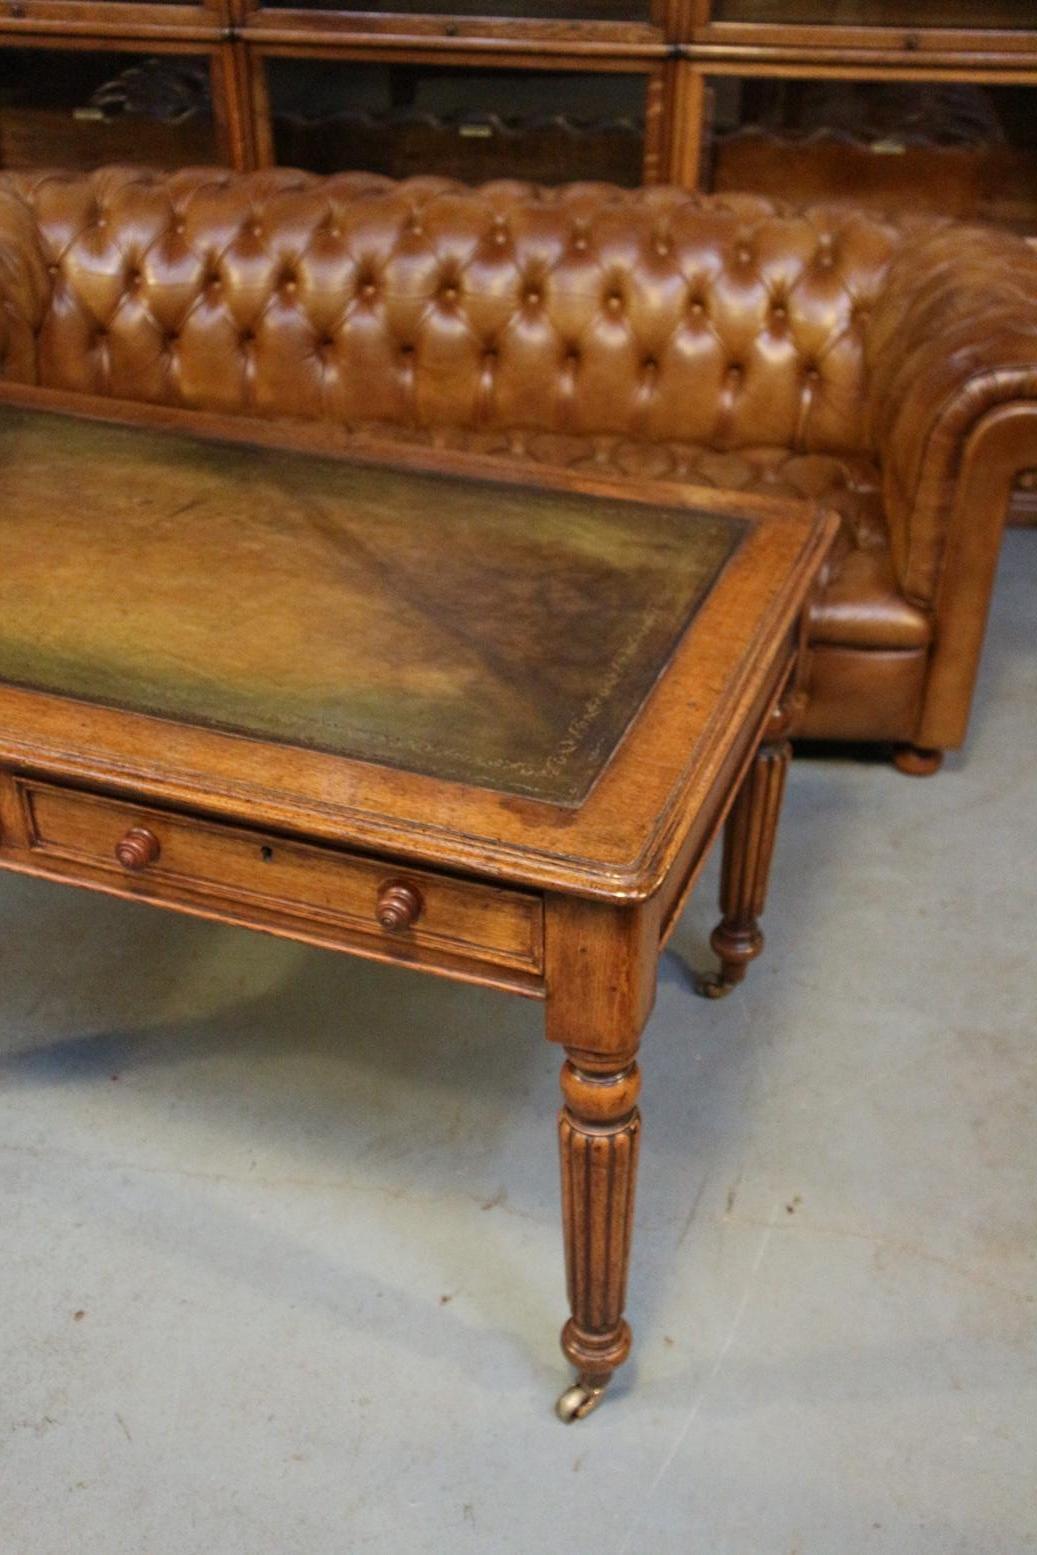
[{"x": 481, "y": 633}]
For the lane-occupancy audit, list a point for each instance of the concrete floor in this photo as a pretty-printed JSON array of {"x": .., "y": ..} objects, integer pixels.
[{"x": 279, "y": 1254}]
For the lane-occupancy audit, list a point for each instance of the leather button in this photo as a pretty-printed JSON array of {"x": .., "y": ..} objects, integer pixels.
[
  {"x": 614, "y": 303},
  {"x": 533, "y": 295},
  {"x": 368, "y": 290},
  {"x": 449, "y": 294},
  {"x": 580, "y": 243},
  {"x": 779, "y": 313}
]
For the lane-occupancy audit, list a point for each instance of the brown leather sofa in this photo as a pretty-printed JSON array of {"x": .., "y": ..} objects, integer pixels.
[{"x": 887, "y": 368}]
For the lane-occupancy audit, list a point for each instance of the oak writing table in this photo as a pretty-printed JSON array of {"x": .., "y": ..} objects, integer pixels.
[{"x": 477, "y": 728}]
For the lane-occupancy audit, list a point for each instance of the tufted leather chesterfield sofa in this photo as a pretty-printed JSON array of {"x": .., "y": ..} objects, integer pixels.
[{"x": 888, "y": 369}]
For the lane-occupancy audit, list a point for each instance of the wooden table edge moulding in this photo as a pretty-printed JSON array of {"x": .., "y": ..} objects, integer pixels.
[{"x": 557, "y": 876}]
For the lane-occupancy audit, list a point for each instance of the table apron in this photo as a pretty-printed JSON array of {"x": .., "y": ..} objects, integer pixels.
[
  {"x": 692, "y": 857},
  {"x": 466, "y": 929}
]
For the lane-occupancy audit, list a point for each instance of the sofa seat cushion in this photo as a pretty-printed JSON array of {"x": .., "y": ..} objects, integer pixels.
[{"x": 861, "y": 606}]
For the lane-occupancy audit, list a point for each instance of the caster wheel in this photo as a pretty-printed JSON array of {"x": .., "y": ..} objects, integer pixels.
[
  {"x": 712, "y": 985},
  {"x": 578, "y": 1401}
]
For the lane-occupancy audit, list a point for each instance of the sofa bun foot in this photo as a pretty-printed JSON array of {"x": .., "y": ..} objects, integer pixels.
[{"x": 916, "y": 761}]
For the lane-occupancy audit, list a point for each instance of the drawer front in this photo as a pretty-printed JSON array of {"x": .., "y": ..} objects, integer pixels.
[{"x": 155, "y": 854}]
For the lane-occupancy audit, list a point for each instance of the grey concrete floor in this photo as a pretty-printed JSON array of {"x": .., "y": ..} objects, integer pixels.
[{"x": 279, "y": 1253}]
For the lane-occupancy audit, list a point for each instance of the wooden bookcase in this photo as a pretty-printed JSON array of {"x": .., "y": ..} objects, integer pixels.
[{"x": 896, "y": 102}]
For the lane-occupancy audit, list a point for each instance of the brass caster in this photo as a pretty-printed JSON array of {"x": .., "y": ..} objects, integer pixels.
[
  {"x": 712, "y": 985},
  {"x": 577, "y": 1402}
]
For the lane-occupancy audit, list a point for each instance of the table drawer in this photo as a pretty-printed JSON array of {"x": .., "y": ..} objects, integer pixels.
[{"x": 159, "y": 854}]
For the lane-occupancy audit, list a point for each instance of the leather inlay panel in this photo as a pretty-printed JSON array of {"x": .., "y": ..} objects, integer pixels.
[{"x": 478, "y": 633}]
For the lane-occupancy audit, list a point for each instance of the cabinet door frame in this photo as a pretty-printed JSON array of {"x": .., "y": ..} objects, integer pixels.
[
  {"x": 571, "y": 39},
  {"x": 690, "y": 95},
  {"x": 840, "y": 42},
  {"x": 66, "y": 20},
  {"x": 231, "y": 134},
  {"x": 655, "y": 162}
]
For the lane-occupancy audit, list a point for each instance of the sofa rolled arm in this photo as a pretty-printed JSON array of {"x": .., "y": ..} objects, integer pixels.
[
  {"x": 25, "y": 287},
  {"x": 953, "y": 338}
]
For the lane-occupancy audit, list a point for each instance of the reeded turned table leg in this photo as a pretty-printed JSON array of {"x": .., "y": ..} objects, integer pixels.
[
  {"x": 598, "y": 1130},
  {"x": 749, "y": 837},
  {"x": 601, "y": 971}
]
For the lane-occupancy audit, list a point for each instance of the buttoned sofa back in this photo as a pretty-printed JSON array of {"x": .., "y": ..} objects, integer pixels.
[{"x": 654, "y": 314}]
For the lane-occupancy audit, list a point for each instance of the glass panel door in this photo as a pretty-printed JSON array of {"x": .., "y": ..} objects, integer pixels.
[
  {"x": 473, "y": 124},
  {"x": 957, "y": 148},
  {"x": 1021, "y": 14},
  {"x": 81, "y": 108},
  {"x": 538, "y": 10}
]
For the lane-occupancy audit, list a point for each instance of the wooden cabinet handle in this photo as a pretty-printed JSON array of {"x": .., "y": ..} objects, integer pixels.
[
  {"x": 138, "y": 848},
  {"x": 399, "y": 906}
]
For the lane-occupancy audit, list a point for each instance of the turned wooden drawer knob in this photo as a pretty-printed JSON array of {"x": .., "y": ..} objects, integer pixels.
[
  {"x": 399, "y": 907},
  {"x": 138, "y": 848}
]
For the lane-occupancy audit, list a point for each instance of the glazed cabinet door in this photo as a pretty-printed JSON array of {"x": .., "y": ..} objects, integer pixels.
[
  {"x": 834, "y": 14},
  {"x": 474, "y": 122},
  {"x": 949, "y": 147},
  {"x": 86, "y": 106}
]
